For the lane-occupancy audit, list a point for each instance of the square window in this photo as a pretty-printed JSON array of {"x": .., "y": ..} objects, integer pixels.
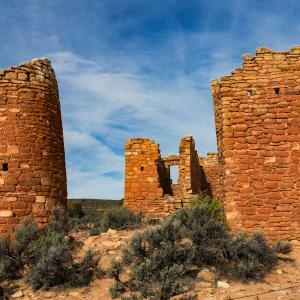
[{"x": 5, "y": 167}]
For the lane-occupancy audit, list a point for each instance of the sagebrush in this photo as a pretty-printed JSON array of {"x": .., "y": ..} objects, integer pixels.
[
  {"x": 44, "y": 256},
  {"x": 161, "y": 259}
]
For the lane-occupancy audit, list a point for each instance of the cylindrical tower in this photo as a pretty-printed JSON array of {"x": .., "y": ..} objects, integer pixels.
[{"x": 32, "y": 159}]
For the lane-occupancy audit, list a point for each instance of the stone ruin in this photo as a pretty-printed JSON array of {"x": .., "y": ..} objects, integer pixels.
[
  {"x": 32, "y": 160},
  {"x": 148, "y": 185},
  {"x": 256, "y": 172}
]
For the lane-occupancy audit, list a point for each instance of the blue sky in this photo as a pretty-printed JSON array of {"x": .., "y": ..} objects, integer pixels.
[{"x": 138, "y": 68}]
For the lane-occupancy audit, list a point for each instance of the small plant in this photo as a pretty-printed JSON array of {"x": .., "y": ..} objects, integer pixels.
[
  {"x": 214, "y": 206},
  {"x": 45, "y": 256},
  {"x": 13, "y": 253},
  {"x": 116, "y": 290},
  {"x": 114, "y": 272},
  {"x": 75, "y": 211},
  {"x": 159, "y": 260},
  {"x": 119, "y": 218},
  {"x": 94, "y": 231},
  {"x": 249, "y": 257},
  {"x": 133, "y": 297},
  {"x": 282, "y": 247},
  {"x": 83, "y": 270}
]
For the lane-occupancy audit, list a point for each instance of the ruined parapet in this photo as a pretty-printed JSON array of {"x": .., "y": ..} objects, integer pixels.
[
  {"x": 210, "y": 174},
  {"x": 32, "y": 161},
  {"x": 189, "y": 169},
  {"x": 142, "y": 179},
  {"x": 257, "y": 123}
]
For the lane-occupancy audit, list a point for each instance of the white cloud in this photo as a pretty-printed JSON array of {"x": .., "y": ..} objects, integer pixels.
[{"x": 94, "y": 101}]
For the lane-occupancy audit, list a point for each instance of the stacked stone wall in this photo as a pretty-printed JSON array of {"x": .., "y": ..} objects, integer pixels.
[
  {"x": 32, "y": 162},
  {"x": 189, "y": 168},
  {"x": 142, "y": 179},
  {"x": 257, "y": 114},
  {"x": 210, "y": 180},
  {"x": 148, "y": 186}
]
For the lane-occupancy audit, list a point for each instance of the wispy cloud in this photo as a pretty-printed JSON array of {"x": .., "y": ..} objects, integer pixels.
[{"x": 138, "y": 68}]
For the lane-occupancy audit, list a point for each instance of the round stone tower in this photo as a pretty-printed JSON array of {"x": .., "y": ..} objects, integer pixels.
[{"x": 32, "y": 159}]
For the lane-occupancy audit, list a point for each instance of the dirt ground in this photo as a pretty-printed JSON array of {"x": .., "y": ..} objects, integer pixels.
[{"x": 282, "y": 283}]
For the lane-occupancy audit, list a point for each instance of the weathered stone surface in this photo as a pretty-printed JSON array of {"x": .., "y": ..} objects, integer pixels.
[
  {"x": 223, "y": 284},
  {"x": 30, "y": 125},
  {"x": 257, "y": 124},
  {"x": 17, "y": 295}
]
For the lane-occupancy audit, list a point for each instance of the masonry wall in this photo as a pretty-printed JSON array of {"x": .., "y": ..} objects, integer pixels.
[
  {"x": 32, "y": 162},
  {"x": 257, "y": 114},
  {"x": 148, "y": 186},
  {"x": 210, "y": 180},
  {"x": 189, "y": 169},
  {"x": 142, "y": 178}
]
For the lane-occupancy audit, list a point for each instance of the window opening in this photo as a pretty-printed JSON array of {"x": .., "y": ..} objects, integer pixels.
[
  {"x": 250, "y": 93},
  {"x": 174, "y": 174},
  {"x": 5, "y": 167},
  {"x": 276, "y": 90},
  {"x": 142, "y": 168}
]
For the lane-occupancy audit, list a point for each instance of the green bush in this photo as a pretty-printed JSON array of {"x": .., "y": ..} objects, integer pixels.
[
  {"x": 119, "y": 218},
  {"x": 249, "y": 257},
  {"x": 75, "y": 211},
  {"x": 114, "y": 272},
  {"x": 133, "y": 297},
  {"x": 83, "y": 270},
  {"x": 282, "y": 247},
  {"x": 213, "y": 205},
  {"x": 14, "y": 254},
  {"x": 45, "y": 256},
  {"x": 49, "y": 264},
  {"x": 161, "y": 259}
]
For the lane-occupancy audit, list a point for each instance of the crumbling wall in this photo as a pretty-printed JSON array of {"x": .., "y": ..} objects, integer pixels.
[
  {"x": 143, "y": 173},
  {"x": 189, "y": 169},
  {"x": 148, "y": 186},
  {"x": 210, "y": 181},
  {"x": 257, "y": 114},
  {"x": 32, "y": 162}
]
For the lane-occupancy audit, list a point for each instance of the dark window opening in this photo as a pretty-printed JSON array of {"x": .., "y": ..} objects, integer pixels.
[
  {"x": 142, "y": 168},
  {"x": 276, "y": 90},
  {"x": 5, "y": 167},
  {"x": 174, "y": 174},
  {"x": 28, "y": 76},
  {"x": 250, "y": 93}
]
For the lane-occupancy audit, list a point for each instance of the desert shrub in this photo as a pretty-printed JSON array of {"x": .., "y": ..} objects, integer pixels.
[
  {"x": 214, "y": 207},
  {"x": 249, "y": 257},
  {"x": 49, "y": 265},
  {"x": 161, "y": 259},
  {"x": 116, "y": 289},
  {"x": 83, "y": 270},
  {"x": 14, "y": 253},
  {"x": 94, "y": 231},
  {"x": 119, "y": 218},
  {"x": 87, "y": 222},
  {"x": 75, "y": 211},
  {"x": 282, "y": 247},
  {"x": 114, "y": 272},
  {"x": 208, "y": 234},
  {"x": 45, "y": 255},
  {"x": 133, "y": 297}
]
